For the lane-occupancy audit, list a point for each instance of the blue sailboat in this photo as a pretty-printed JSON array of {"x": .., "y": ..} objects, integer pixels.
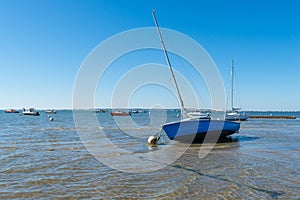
[{"x": 193, "y": 128}]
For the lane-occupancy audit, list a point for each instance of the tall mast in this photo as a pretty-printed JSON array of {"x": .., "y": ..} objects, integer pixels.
[
  {"x": 169, "y": 63},
  {"x": 232, "y": 76}
]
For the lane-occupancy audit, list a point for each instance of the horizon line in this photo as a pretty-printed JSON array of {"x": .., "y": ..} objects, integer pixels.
[{"x": 147, "y": 108}]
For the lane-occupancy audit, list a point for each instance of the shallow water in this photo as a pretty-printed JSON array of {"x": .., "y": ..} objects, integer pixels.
[{"x": 43, "y": 159}]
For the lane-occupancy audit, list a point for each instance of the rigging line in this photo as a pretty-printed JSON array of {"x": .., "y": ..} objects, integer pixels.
[
  {"x": 228, "y": 89},
  {"x": 228, "y": 93},
  {"x": 193, "y": 83},
  {"x": 228, "y": 99},
  {"x": 237, "y": 89},
  {"x": 170, "y": 80}
]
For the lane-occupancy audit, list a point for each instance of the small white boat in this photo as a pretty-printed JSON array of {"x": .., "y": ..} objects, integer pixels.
[
  {"x": 30, "y": 111},
  {"x": 134, "y": 111},
  {"x": 236, "y": 115},
  {"x": 50, "y": 111}
]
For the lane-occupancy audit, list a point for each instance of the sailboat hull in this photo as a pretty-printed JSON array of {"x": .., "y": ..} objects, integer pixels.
[{"x": 196, "y": 129}]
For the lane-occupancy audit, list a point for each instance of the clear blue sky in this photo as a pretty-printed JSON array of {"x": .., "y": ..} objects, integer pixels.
[{"x": 43, "y": 43}]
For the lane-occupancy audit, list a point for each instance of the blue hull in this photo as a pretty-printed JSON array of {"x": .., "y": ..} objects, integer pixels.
[{"x": 196, "y": 129}]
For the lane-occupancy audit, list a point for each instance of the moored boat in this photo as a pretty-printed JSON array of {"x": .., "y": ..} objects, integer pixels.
[
  {"x": 30, "y": 111},
  {"x": 142, "y": 111},
  {"x": 191, "y": 128},
  {"x": 11, "y": 111},
  {"x": 50, "y": 111},
  {"x": 99, "y": 111},
  {"x": 120, "y": 113},
  {"x": 134, "y": 111},
  {"x": 234, "y": 114}
]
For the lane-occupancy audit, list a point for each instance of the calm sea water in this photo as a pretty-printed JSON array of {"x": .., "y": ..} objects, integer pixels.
[{"x": 43, "y": 159}]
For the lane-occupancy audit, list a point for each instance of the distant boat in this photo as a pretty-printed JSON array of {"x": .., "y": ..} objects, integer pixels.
[
  {"x": 11, "y": 111},
  {"x": 99, "y": 111},
  {"x": 142, "y": 111},
  {"x": 193, "y": 128},
  {"x": 234, "y": 114},
  {"x": 134, "y": 111},
  {"x": 119, "y": 113},
  {"x": 50, "y": 111},
  {"x": 199, "y": 115},
  {"x": 30, "y": 111}
]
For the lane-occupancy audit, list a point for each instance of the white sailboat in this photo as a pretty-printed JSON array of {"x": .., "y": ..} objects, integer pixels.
[
  {"x": 192, "y": 128},
  {"x": 235, "y": 114}
]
